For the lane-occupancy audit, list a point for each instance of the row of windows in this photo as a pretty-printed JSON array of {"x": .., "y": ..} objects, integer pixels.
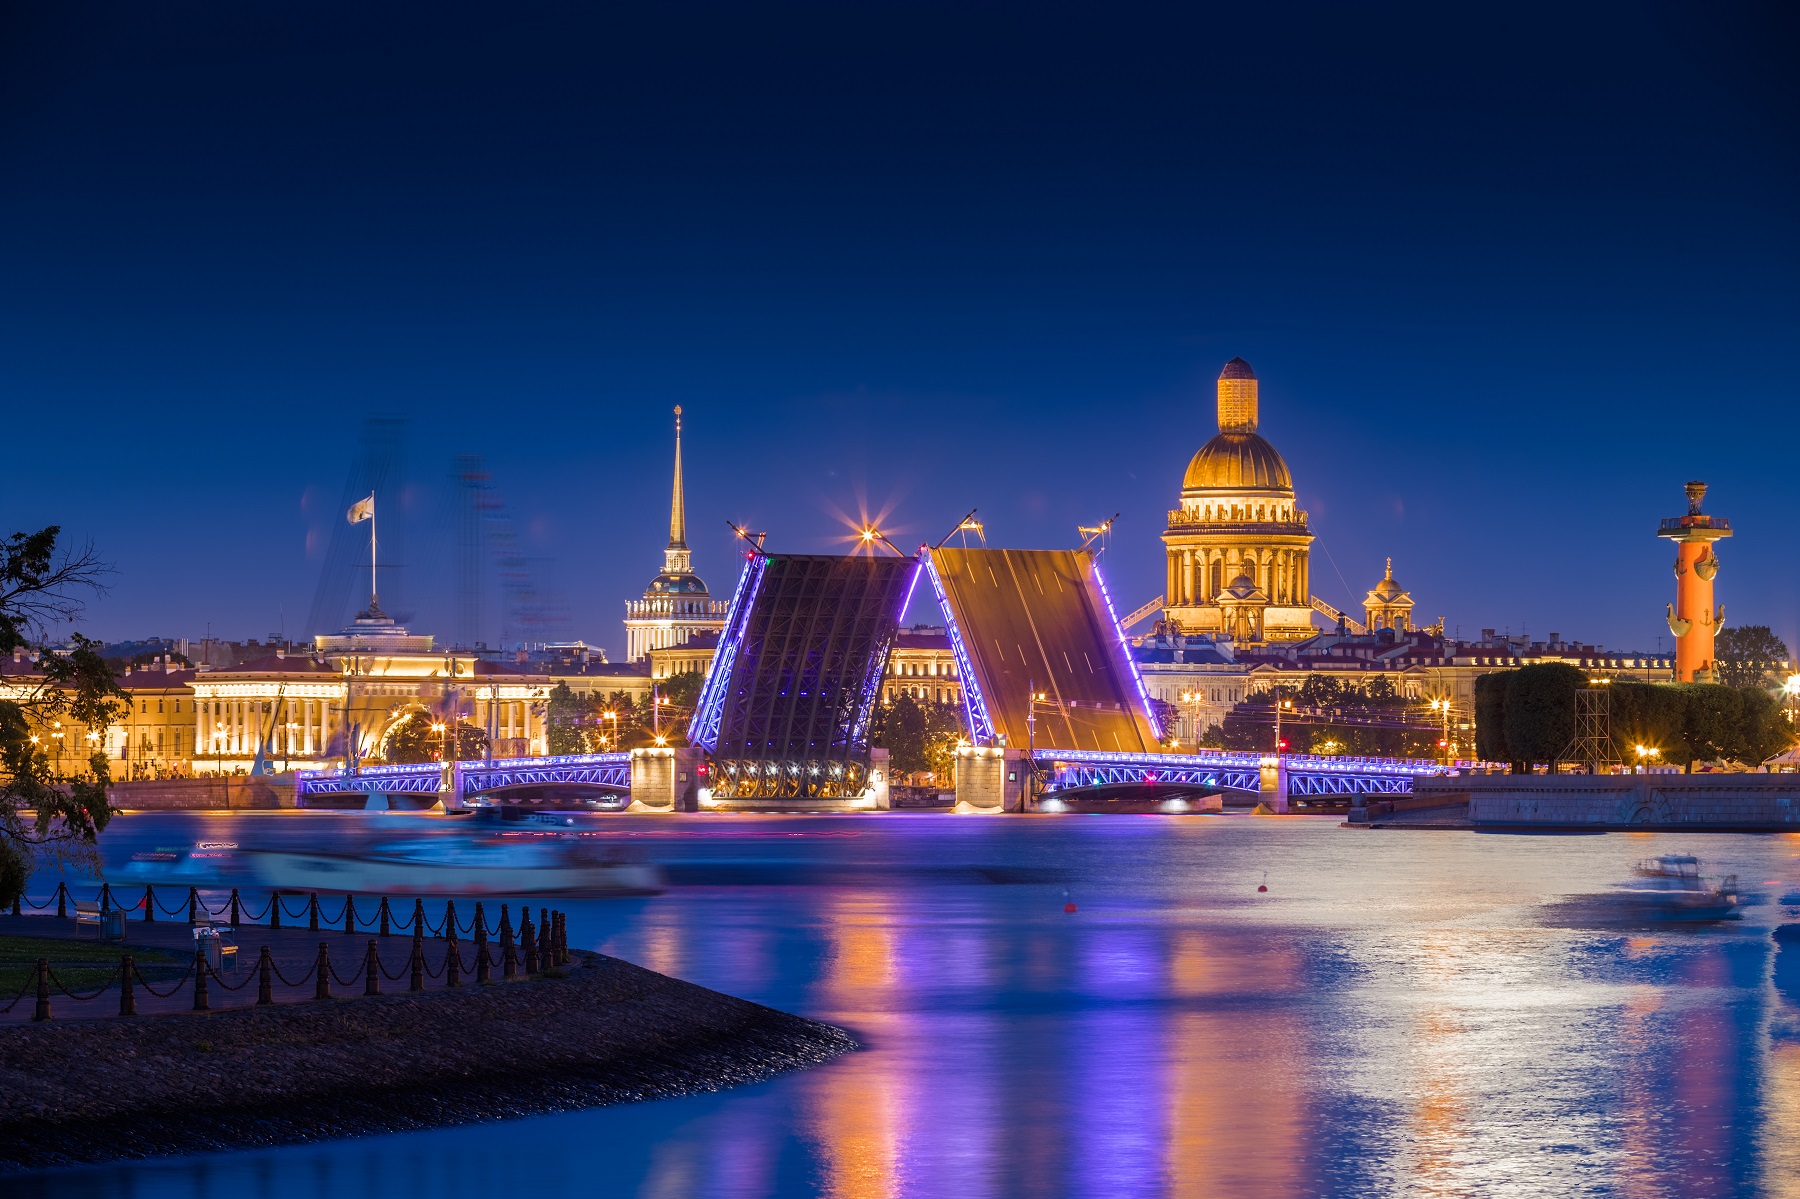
[{"x": 920, "y": 670}]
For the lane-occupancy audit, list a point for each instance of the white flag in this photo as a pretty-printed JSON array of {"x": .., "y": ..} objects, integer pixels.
[{"x": 362, "y": 510}]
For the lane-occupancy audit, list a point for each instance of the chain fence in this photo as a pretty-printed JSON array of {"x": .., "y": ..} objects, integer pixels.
[{"x": 536, "y": 948}]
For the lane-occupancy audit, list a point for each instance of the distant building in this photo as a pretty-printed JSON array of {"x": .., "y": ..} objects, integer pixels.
[
  {"x": 676, "y": 605},
  {"x": 1237, "y": 547},
  {"x": 922, "y": 665}
]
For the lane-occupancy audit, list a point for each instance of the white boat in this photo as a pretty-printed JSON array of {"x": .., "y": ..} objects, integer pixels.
[
  {"x": 1671, "y": 887},
  {"x": 504, "y": 865}
]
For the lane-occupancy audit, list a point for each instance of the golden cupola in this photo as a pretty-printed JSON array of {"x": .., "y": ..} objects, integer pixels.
[
  {"x": 1238, "y": 522},
  {"x": 1238, "y": 458}
]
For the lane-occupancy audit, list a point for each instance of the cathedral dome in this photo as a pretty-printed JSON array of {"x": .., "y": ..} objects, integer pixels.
[
  {"x": 1237, "y": 368},
  {"x": 1237, "y": 461}
]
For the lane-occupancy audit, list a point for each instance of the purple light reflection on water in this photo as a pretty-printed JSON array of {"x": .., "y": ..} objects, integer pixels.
[{"x": 1406, "y": 1013}]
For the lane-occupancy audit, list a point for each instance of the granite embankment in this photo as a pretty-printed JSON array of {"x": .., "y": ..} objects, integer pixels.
[{"x": 604, "y": 1032}]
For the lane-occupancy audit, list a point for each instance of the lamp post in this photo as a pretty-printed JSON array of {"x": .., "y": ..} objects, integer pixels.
[
  {"x": 1792, "y": 689},
  {"x": 1442, "y": 706},
  {"x": 1645, "y": 755}
]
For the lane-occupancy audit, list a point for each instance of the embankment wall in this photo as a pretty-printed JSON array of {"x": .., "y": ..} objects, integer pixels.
[{"x": 1734, "y": 802}]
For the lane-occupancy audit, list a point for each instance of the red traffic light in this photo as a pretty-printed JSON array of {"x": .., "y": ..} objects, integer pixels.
[{"x": 1281, "y": 745}]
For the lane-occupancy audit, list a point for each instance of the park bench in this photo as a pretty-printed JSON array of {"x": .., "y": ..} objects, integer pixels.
[{"x": 108, "y": 924}]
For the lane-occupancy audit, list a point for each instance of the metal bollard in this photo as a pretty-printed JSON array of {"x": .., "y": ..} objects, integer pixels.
[
  {"x": 43, "y": 995},
  {"x": 505, "y": 925},
  {"x": 546, "y": 944},
  {"x": 372, "y": 970},
  {"x": 529, "y": 945},
  {"x": 452, "y": 965},
  {"x": 127, "y": 996},
  {"x": 418, "y": 917},
  {"x": 200, "y": 998},
  {"x": 450, "y": 919},
  {"x": 265, "y": 985},
  {"x": 481, "y": 961},
  {"x": 274, "y": 909},
  {"x": 509, "y": 958},
  {"x": 417, "y": 983},
  {"x": 562, "y": 938},
  {"x": 382, "y": 915},
  {"x": 349, "y": 913},
  {"x": 193, "y": 906},
  {"x": 480, "y": 929},
  {"x": 62, "y": 911},
  {"x": 322, "y": 988},
  {"x": 237, "y": 912},
  {"x": 106, "y": 903},
  {"x": 149, "y": 904},
  {"x": 312, "y": 912}
]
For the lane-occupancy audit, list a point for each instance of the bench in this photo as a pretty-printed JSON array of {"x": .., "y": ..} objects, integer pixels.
[{"x": 108, "y": 924}]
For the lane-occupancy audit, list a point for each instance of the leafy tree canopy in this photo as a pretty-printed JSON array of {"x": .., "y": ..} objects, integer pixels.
[
  {"x": 1750, "y": 656},
  {"x": 47, "y": 815},
  {"x": 414, "y": 740}
]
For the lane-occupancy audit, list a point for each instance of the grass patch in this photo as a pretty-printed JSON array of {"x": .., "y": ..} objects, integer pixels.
[{"x": 79, "y": 965}]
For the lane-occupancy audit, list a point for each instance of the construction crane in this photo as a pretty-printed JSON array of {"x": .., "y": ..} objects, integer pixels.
[
  {"x": 1139, "y": 614},
  {"x": 1325, "y": 609}
]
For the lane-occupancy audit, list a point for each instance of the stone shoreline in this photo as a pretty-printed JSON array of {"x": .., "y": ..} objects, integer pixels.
[{"x": 607, "y": 1032}]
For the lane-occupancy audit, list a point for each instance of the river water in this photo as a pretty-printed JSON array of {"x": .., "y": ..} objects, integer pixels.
[{"x": 1421, "y": 1013}]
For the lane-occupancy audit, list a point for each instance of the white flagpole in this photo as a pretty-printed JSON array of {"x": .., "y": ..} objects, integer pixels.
[{"x": 374, "y": 595}]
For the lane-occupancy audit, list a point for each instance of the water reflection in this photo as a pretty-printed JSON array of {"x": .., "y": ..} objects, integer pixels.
[{"x": 1394, "y": 1017}]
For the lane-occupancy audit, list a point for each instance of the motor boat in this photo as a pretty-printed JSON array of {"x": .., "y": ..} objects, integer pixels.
[
  {"x": 506, "y": 864},
  {"x": 206, "y": 861},
  {"x": 1672, "y": 887},
  {"x": 1681, "y": 866}
]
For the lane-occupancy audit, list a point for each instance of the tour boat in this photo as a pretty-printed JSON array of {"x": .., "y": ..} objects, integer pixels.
[
  {"x": 521, "y": 864},
  {"x": 1671, "y": 887},
  {"x": 204, "y": 862}
]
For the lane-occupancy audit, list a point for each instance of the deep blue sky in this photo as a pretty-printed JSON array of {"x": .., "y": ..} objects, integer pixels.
[{"x": 1508, "y": 278}]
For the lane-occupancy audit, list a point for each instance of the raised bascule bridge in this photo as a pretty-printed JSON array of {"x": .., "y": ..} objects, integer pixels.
[{"x": 1054, "y": 703}]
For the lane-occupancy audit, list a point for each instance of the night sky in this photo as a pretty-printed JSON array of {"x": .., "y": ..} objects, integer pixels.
[{"x": 1508, "y": 280}]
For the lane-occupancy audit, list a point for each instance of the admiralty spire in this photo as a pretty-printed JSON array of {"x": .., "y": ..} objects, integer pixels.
[{"x": 676, "y": 606}]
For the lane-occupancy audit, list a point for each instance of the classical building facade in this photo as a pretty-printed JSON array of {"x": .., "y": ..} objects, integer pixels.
[
  {"x": 353, "y": 691},
  {"x": 676, "y": 605},
  {"x": 1237, "y": 547}
]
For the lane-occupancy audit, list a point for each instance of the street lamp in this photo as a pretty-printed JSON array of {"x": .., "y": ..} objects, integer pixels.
[
  {"x": 1792, "y": 688},
  {"x": 1442, "y": 706}
]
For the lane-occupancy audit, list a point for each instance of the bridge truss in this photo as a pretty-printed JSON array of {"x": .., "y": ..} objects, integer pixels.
[
  {"x": 594, "y": 770},
  {"x": 1064, "y": 770}
]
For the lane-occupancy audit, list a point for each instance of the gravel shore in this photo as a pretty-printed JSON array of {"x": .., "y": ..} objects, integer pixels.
[{"x": 607, "y": 1032}]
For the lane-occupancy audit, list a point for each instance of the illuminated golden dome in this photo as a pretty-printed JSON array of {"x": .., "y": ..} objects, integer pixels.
[{"x": 1237, "y": 461}]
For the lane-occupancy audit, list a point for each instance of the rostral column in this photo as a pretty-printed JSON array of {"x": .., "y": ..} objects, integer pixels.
[{"x": 1693, "y": 618}]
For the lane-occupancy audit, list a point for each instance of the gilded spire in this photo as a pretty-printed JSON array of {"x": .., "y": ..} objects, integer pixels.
[{"x": 678, "y": 503}]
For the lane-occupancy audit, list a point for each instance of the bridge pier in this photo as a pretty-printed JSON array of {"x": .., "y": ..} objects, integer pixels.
[
  {"x": 1275, "y": 783},
  {"x": 990, "y": 780},
  {"x": 665, "y": 779}
]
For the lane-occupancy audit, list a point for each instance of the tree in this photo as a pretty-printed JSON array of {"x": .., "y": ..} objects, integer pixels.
[
  {"x": 1540, "y": 712},
  {"x": 1649, "y": 715},
  {"x": 1490, "y": 716},
  {"x": 414, "y": 740},
  {"x": 569, "y": 722},
  {"x": 1747, "y": 656},
  {"x": 46, "y": 815},
  {"x": 920, "y": 736}
]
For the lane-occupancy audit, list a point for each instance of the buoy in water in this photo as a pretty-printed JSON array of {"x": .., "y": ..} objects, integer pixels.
[
  {"x": 1069, "y": 907},
  {"x": 1264, "y": 885}
]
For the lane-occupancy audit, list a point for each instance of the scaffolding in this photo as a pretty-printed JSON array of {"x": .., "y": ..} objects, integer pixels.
[{"x": 1593, "y": 745}]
